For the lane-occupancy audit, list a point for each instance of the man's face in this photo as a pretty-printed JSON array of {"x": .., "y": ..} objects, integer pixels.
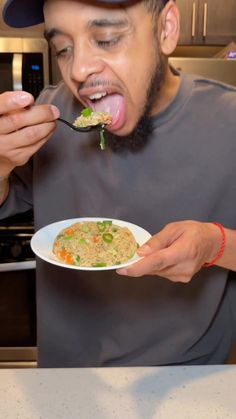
[{"x": 108, "y": 57}]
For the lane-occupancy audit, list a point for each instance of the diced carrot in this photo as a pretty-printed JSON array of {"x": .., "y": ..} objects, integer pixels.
[
  {"x": 69, "y": 259},
  {"x": 96, "y": 239},
  {"x": 66, "y": 257},
  {"x": 63, "y": 254},
  {"x": 69, "y": 231}
]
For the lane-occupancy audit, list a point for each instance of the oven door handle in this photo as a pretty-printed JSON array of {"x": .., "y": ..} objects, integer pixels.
[{"x": 17, "y": 266}]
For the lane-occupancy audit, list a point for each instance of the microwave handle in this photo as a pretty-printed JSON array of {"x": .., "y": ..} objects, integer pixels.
[{"x": 17, "y": 71}]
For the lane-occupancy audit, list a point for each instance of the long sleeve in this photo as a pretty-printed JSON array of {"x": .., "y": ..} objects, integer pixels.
[{"x": 20, "y": 194}]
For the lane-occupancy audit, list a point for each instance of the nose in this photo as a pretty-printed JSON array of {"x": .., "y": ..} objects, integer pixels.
[{"x": 85, "y": 63}]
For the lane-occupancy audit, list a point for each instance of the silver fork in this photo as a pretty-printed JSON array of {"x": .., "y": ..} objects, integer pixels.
[{"x": 81, "y": 129}]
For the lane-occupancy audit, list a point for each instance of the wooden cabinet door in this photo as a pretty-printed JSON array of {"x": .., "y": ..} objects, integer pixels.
[
  {"x": 207, "y": 22},
  {"x": 217, "y": 21},
  {"x": 188, "y": 21}
]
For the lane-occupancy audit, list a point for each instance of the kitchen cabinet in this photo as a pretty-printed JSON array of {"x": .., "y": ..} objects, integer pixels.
[{"x": 207, "y": 22}]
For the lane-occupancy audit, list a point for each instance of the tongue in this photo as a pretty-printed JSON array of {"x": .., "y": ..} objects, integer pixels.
[{"x": 112, "y": 104}]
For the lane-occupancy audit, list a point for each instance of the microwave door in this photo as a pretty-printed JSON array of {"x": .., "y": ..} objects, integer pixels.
[
  {"x": 22, "y": 71},
  {"x": 6, "y": 81},
  {"x": 17, "y": 65}
]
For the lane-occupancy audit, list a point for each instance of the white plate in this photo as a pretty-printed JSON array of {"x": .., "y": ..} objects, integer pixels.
[{"x": 42, "y": 242}]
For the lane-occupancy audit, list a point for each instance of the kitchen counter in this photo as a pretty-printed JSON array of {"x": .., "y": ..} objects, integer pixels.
[{"x": 196, "y": 392}]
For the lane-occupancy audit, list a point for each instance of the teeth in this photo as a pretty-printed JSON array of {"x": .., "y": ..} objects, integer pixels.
[{"x": 97, "y": 95}]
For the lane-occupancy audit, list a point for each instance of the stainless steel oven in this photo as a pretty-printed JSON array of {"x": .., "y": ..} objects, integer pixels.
[
  {"x": 24, "y": 64},
  {"x": 17, "y": 293}
]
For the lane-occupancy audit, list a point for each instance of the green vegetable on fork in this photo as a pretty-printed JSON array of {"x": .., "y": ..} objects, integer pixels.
[
  {"x": 89, "y": 117},
  {"x": 86, "y": 112}
]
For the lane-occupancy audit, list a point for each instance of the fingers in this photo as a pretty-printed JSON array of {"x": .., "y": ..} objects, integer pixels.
[
  {"x": 32, "y": 116},
  {"x": 25, "y": 148},
  {"x": 23, "y": 156},
  {"x": 25, "y": 136},
  {"x": 155, "y": 253},
  {"x": 160, "y": 264},
  {"x": 24, "y": 128},
  {"x": 156, "y": 262},
  {"x": 177, "y": 259},
  {"x": 146, "y": 266},
  {"x": 11, "y": 101},
  {"x": 152, "y": 245},
  {"x": 170, "y": 233}
]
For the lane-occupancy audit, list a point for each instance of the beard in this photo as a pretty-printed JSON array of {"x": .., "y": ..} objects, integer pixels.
[{"x": 140, "y": 136}]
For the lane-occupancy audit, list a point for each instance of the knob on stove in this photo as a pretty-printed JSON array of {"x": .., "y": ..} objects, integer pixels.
[{"x": 16, "y": 250}]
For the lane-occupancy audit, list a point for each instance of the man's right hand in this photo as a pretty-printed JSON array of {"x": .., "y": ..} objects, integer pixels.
[{"x": 24, "y": 128}]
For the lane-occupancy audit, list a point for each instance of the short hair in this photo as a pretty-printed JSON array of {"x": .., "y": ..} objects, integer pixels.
[{"x": 155, "y": 6}]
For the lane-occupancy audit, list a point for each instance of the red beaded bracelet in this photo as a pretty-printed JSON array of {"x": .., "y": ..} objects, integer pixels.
[{"x": 222, "y": 247}]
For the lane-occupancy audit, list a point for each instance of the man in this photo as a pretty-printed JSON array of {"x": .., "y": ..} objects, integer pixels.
[{"x": 168, "y": 159}]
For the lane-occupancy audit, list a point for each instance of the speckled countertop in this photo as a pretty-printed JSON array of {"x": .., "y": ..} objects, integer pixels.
[{"x": 125, "y": 393}]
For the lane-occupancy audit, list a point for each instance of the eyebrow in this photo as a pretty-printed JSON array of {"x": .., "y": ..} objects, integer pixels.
[
  {"x": 50, "y": 33},
  {"x": 108, "y": 22},
  {"x": 97, "y": 23}
]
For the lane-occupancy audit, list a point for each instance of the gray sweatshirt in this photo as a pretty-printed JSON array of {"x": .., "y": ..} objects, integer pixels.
[{"x": 186, "y": 171}]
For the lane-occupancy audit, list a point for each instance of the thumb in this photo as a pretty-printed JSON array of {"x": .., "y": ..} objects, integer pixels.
[
  {"x": 169, "y": 234},
  {"x": 156, "y": 242}
]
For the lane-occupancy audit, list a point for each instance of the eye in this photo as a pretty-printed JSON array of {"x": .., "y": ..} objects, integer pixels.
[
  {"x": 63, "y": 52},
  {"x": 108, "y": 43}
]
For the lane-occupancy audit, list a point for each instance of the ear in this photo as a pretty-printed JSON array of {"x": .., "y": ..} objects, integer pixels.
[{"x": 169, "y": 25}]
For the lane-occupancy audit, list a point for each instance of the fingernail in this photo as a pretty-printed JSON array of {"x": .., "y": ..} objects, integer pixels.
[
  {"x": 55, "y": 111},
  {"x": 22, "y": 98},
  {"x": 122, "y": 272},
  {"x": 144, "y": 250}
]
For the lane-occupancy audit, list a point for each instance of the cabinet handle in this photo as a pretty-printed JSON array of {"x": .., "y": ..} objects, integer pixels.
[
  {"x": 205, "y": 20},
  {"x": 193, "y": 20}
]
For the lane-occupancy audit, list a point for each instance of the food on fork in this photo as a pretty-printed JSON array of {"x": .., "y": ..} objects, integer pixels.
[{"x": 89, "y": 117}]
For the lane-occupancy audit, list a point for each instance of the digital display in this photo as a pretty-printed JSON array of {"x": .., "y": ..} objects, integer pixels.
[{"x": 35, "y": 67}]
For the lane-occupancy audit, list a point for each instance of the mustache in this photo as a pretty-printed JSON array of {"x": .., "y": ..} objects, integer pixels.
[{"x": 96, "y": 83}]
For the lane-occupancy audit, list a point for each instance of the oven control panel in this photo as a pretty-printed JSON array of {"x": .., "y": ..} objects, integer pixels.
[{"x": 15, "y": 235}]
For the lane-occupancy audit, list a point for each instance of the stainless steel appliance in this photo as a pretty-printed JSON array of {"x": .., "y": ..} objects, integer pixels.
[
  {"x": 209, "y": 61},
  {"x": 213, "y": 68},
  {"x": 17, "y": 293},
  {"x": 24, "y": 64}
]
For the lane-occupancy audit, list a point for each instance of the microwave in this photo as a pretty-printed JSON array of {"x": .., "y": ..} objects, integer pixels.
[{"x": 24, "y": 64}]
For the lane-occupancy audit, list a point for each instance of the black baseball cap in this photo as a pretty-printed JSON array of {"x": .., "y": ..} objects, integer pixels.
[{"x": 23, "y": 13}]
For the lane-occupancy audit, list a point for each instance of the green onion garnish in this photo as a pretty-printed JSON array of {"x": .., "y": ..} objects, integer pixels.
[
  {"x": 86, "y": 112},
  {"x": 102, "y": 139},
  {"x": 100, "y": 265}
]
